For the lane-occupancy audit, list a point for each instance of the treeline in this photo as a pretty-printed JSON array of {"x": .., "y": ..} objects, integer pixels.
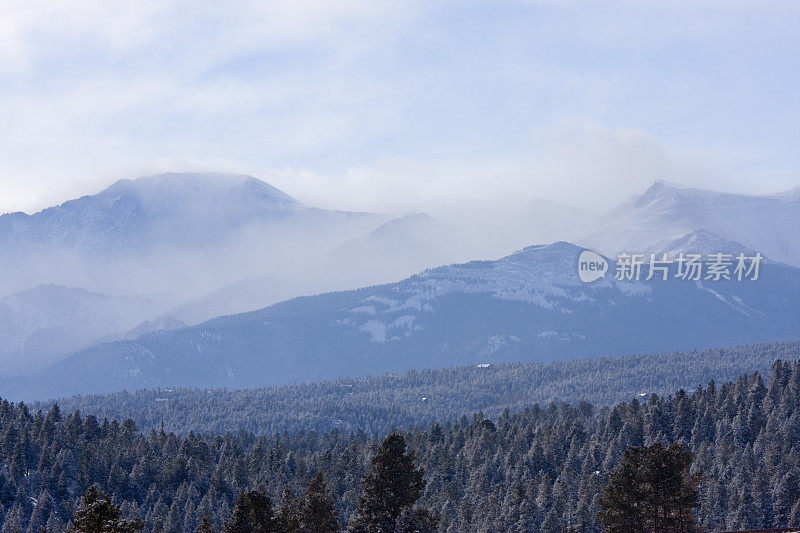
[
  {"x": 422, "y": 397},
  {"x": 387, "y": 504},
  {"x": 541, "y": 469}
]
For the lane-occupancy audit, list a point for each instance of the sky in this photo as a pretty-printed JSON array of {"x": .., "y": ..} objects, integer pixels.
[{"x": 401, "y": 106}]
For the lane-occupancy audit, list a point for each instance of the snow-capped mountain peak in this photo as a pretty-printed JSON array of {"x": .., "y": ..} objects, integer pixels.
[
  {"x": 181, "y": 232},
  {"x": 659, "y": 191},
  {"x": 171, "y": 189},
  {"x": 666, "y": 213}
]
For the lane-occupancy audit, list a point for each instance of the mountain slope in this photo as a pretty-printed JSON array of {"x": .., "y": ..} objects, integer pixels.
[
  {"x": 667, "y": 212},
  {"x": 394, "y": 250},
  {"x": 175, "y": 209},
  {"x": 705, "y": 243},
  {"x": 187, "y": 234},
  {"x": 40, "y": 325},
  {"x": 238, "y": 297},
  {"x": 411, "y": 243},
  {"x": 529, "y": 306}
]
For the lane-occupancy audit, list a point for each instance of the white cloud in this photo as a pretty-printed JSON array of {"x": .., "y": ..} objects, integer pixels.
[
  {"x": 398, "y": 105},
  {"x": 572, "y": 162}
]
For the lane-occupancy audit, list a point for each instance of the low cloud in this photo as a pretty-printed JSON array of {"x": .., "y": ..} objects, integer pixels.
[
  {"x": 399, "y": 106},
  {"x": 575, "y": 163}
]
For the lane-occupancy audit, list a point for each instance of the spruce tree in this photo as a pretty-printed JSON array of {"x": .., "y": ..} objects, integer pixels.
[
  {"x": 287, "y": 517},
  {"x": 393, "y": 484},
  {"x": 251, "y": 514},
  {"x": 318, "y": 514},
  {"x": 98, "y": 514},
  {"x": 205, "y": 525},
  {"x": 651, "y": 490}
]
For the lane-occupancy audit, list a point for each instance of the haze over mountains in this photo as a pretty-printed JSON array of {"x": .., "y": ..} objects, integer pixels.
[
  {"x": 529, "y": 306},
  {"x": 191, "y": 247},
  {"x": 205, "y": 245},
  {"x": 179, "y": 234},
  {"x": 665, "y": 213},
  {"x": 40, "y": 325}
]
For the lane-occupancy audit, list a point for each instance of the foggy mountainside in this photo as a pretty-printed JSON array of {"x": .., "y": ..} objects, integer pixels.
[
  {"x": 409, "y": 244},
  {"x": 180, "y": 234},
  {"x": 421, "y": 397},
  {"x": 388, "y": 245},
  {"x": 526, "y": 307},
  {"x": 200, "y": 246},
  {"x": 195, "y": 246},
  {"x": 706, "y": 243},
  {"x": 245, "y": 295},
  {"x": 541, "y": 469},
  {"x": 190, "y": 234},
  {"x": 667, "y": 212},
  {"x": 42, "y": 325}
]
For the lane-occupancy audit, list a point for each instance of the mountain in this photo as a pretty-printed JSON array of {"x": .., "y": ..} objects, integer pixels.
[
  {"x": 468, "y": 231},
  {"x": 186, "y": 234},
  {"x": 529, "y": 306},
  {"x": 238, "y": 297},
  {"x": 667, "y": 212},
  {"x": 41, "y": 325},
  {"x": 705, "y": 243},
  {"x": 394, "y": 250},
  {"x": 227, "y": 243},
  {"x": 164, "y": 323},
  {"x": 132, "y": 215}
]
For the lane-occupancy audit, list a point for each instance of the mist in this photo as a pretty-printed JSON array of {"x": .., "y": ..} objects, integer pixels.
[
  {"x": 393, "y": 139},
  {"x": 184, "y": 248}
]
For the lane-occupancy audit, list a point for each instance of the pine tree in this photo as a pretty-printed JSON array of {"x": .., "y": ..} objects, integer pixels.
[
  {"x": 393, "y": 484},
  {"x": 318, "y": 514},
  {"x": 251, "y": 514},
  {"x": 672, "y": 491},
  {"x": 98, "y": 514},
  {"x": 621, "y": 501},
  {"x": 416, "y": 521},
  {"x": 287, "y": 517},
  {"x": 651, "y": 490},
  {"x": 205, "y": 525}
]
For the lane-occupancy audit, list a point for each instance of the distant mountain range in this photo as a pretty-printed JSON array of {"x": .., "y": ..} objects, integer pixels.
[
  {"x": 394, "y": 250},
  {"x": 208, "y": 244},
  {"x": 529, "y": 306},
  {"x": 219, "y": 244},
  {"x": 238, "y": 297}
]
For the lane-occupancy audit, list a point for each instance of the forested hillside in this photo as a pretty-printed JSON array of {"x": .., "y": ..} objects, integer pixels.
[
  {"x": 421, "y": 397},
  {"x": 541, "y": 469}
]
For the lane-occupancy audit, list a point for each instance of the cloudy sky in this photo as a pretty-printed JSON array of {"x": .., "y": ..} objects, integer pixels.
[{"x": 399, "y": 106}]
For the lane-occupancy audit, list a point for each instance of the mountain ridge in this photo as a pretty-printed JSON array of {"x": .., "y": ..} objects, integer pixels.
[
  {"x": 666, "y": 212},
  {"x": 136, "y": 236},
  {"x": 526, "y": 307},
  {"x": 40, "y": 325}
]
